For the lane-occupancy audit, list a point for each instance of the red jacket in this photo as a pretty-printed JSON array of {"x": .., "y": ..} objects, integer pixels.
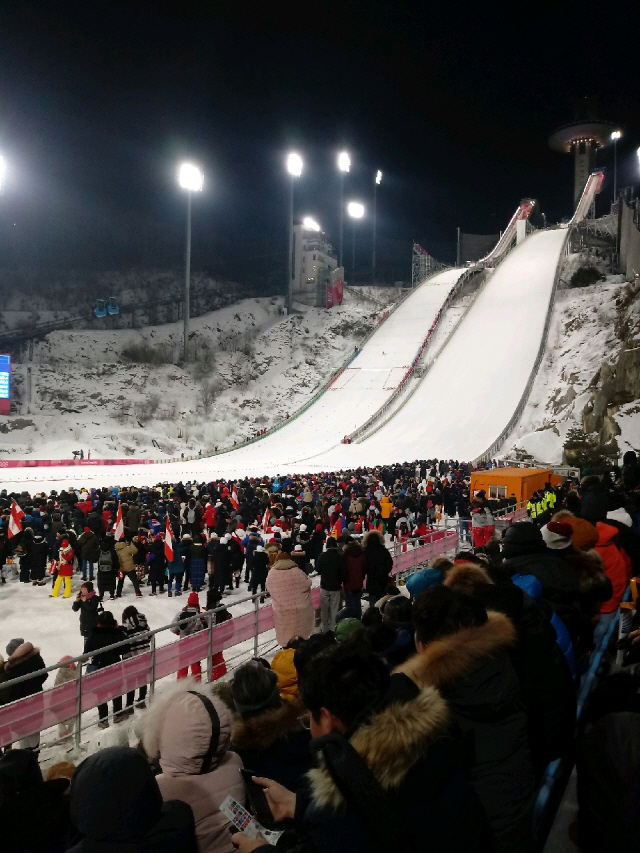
[{"x": 615, "y": 567}]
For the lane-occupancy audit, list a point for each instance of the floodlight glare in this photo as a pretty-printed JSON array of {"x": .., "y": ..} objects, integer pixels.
[
  {"x": 378, "y": 176},
  {"x": 344, "y": 163},
  {"x": 294, "y": 164},
  {"x": 310, "y": 224},
  {"x": 3, "y": 171},
  {"x": 190, "y": 177},
  {"x": 355, "y": 210},
  {"x": 616, "y": 135}
]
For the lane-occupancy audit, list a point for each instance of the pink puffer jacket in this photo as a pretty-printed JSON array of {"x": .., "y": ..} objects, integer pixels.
[{"x": 290, "y": 591}]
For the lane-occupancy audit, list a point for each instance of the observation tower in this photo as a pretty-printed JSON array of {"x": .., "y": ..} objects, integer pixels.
[{"x": 582, "y": 138}]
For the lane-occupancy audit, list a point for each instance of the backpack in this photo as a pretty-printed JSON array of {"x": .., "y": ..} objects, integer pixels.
[
  {"x": 105, "y": 563},
  {"x": 191, "y": 516}
]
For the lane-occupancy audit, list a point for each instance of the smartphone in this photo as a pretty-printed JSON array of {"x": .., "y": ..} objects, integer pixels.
[{"x": 257, "y": 798}]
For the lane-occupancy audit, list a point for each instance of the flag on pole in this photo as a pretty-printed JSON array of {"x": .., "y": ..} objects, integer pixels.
[
  {"x": 234, "y": 499},
  {"x": 15, "y": 520},
  {"x": 118, "y": 530},
  {"x": 265, "y": 520},
  {"x": 168, "y": 544}
]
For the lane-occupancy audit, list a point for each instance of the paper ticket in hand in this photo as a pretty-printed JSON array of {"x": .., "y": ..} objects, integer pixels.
[{"x": 245, "y": 822}]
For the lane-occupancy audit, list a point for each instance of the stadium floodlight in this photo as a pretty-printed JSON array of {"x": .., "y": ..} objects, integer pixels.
[
  {"x": 190, "y": 177},
  {"x": 294, "y": 165},
  {"x": 344, "y": 161},
  {"x": 376, "y": 183},
  {"x": 3, "y": 171},
  {"x": 310, "y": 224},
  {"x": 378, "y": 176},
  {"x": 355, "y": 210},
  {"x": 615, "y": 136}
]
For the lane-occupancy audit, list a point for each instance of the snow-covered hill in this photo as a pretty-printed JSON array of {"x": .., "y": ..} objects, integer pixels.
[
  {"x": 590, "y": 374},
  {"x": 124, "y": 392}
]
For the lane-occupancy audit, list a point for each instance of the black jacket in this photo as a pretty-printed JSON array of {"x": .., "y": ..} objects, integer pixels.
[
  {"x": 27, "y": 661},
  {"x": 331, "y": 567},
  {"x": 102, "y": 636},
  {"x": 379, "y": 566},
  {"x": 117, "y": 806},
  {"x": 89, "y": 610},
  {"x": 594, "y": 503},
  {"x": 39, "y": 557}
]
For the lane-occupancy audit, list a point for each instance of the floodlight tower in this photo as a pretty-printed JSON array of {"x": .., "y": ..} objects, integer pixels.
[
  {"x": 582, "y": 139},
  {"x": 190, "y": 179}
]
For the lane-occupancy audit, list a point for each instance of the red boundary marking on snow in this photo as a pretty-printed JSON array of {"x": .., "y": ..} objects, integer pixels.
[{"x": 50, "y": 463}]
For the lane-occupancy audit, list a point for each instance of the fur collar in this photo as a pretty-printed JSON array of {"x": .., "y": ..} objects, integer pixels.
[
  {"x": 445, "y": 661},
  {"x": 283, "y": 563},
  {"x": 262, "y": 731},
  {"x": 391, "y": 743},
  {"x": 22, "y": 654}
]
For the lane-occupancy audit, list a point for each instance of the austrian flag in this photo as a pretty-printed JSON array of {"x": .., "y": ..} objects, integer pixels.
[
  {"x": 234, "y": 499},
  {"x": 15, "y": 520},
  {"x": 118, "y": 530},
  {"x": 168, "y": 545}
]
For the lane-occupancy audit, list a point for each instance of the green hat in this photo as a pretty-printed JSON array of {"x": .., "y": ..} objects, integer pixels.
[{"x": 346, "y": 628}]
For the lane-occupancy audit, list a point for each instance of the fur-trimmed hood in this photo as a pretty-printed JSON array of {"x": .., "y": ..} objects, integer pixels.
[
  {"x": 22, "y": 654},
  {"x": 390, "y": 743},
  {"x": 283, "y": 563},
  {"x": 445, "y": 661},
  {"x": 370, "y": 535},
  {"x": 262, "y": 731},
  {"x": 465, "y": 577}
]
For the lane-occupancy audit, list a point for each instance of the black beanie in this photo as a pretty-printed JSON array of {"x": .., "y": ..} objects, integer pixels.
[{"x": 522, "y": 538}]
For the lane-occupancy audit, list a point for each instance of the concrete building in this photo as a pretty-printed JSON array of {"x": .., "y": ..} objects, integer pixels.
[
  {"x": 582, "y": 139},
  {"x": 314, "y": 260}
]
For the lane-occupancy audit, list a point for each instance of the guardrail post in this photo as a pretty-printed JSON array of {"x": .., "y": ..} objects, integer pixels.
[
  {"x": 256, "y": 604},
  {"x": 152, "y": 674},
  {"x": 210, "y": 646},
  {"x": 77, "y": 732}
]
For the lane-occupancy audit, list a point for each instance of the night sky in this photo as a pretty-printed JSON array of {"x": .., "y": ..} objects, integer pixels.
[{"x": 100, "y": 100}]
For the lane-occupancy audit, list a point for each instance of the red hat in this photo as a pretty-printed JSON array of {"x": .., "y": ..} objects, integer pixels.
[
  {"x": 87, "y": 529},
  {"x": 319, "y": 527},
  {"x": 193, "y": 600}
]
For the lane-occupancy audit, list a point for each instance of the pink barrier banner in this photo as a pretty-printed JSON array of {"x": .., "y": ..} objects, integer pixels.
[
  {"x": 46, "y": 709},
  {"x": 51, "y": 463},
  {"x": 441, "y": 542}
]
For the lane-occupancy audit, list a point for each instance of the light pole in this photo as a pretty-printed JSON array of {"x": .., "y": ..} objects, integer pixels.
[
  {"x": 344, "y": 164},
  {"x": 615, "y": 136},
  {"x": 294, "y": 167},
  {"x": 375, "y": 201},
  {"x": 355, "y": 211},
  {"x": 190, "y": 179}
]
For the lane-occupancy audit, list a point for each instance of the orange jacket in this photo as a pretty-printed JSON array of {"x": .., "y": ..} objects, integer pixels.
[
  {"x": 616, "y": 567},
  {"x": 385, "y": 507}
]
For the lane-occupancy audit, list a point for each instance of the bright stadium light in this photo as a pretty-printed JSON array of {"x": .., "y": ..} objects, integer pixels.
[
  {"x": 294, "y": 164},
  {"x": 190, "y": 177},
  {"x": 615, "y": 136},
  {"x": 344, "y": 161},
  {"x": 378, "y": 176},
  {"x": 355, "y": 210},
  {"x": 3, "y": 171},
  {"x": 310, "y": 224}
]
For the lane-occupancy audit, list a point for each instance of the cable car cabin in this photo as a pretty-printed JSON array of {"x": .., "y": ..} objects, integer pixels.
[
  {"x": 112, "y": 306},
  {"x": 501, "y": 483},
  {"x": 100, "y": 309}
]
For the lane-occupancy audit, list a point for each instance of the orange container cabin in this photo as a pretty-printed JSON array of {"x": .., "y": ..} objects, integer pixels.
[{"x": 500, "y": 483}]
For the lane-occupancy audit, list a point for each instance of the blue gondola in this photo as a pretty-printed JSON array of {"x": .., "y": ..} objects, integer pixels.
[
  {"x": 112, "y": 306},
  {"x": 100, "y": 309}
]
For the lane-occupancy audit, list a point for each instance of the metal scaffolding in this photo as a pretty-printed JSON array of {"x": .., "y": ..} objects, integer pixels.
[{"x": 423, "y": 265}]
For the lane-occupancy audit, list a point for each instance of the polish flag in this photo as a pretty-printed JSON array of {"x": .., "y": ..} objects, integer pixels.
[
  {"x": 168, "y": 546},
  {"x": 118, "y": 530},
  {"x": 234, "y": 499},
  {"x": 265, "y": 520},
  {"x": 15, "y": 520}
]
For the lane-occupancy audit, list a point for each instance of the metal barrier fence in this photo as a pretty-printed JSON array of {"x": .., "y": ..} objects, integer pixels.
[{"x": 71, "y": 700}]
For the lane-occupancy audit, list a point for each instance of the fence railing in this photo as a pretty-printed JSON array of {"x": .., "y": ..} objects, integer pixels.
[{"x": 71, "y": 700}]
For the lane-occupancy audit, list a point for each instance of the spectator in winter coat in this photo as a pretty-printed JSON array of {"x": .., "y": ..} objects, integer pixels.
[
  {"x": 482, "y": 523},
  {"x": 617, "y": 569},
  {"x": 39, "y": 557},
  {"x": 250, "y": 543},
  {"x": 117, "y": 806},
  {"x": 133, "y": 519},
  {"x": 88, "y": 551},
  {"x": 157, "y": 562},
  {"x": 404, "y": 746},
  {"x": 267, "y": 733},
  {"x": 23, "y": 659},
  {"x": 463, "y": 651},
  {"x": 220, "y": 561},
  {"x": 331, "y": 567},
  {"x": 176, "y": 569},
  {"x": 630, "y": 471},
  {"x": 594, "y": 503},
  {"x": 259, "y": 569},
  {"x": 106, "y": 569},
  {"x": 66, "y": 673},
  {"x": 188, "y": 732},
  {"x": 290, "y": 591},
  {"x": 65, "y": 570},
  {"x": 106, "y": 633},
  {"x": 125, "y": 552},
  {"x": 355, "y": 572},
  {"x": 136, "y": 628},
  {"x": 195, "y": 622},
  {"x": 89, "y": 605},
  {"x": 379, "y": 565}
]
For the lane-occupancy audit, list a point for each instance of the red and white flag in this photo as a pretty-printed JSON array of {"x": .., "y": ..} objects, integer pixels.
[
  {"x": 15, "y": 520},
  {"x": 168, "y": 545},
  {"x": 234, "y": 499},
  {"x": 265, "y": 520},
  {"x": 118, "y": 530}
]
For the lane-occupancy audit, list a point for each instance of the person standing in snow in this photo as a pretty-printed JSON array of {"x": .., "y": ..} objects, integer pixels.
[
  {"x": 89, "y": 605},
  {"x": 68, "y": 672},
  {"x": 195, "y": 622},
  {"x": 39, "y": 557},
  {"x": 136, "y": 628},
  {"x": 89, "y": 551},
  {"x": 125, "y": 552},
  {"x": 65, "y": 570},
  {"x": 107, "y": 562}
]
